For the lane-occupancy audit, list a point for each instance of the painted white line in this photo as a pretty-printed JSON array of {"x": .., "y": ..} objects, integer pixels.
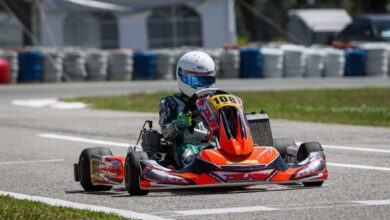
[
  {"x": 356, "y": 149},
  {"x": 358, "y": 166},
  {"x": 30, "y": 161},
  {"x": 83, "y": 140},
  {"x": 225, "y": 210},
  {"x": 374, "y": 202},
  {"x": 48, "y": 103},
  {"x": 336, "y": 147},
  {"x": 63, "y": 203}
]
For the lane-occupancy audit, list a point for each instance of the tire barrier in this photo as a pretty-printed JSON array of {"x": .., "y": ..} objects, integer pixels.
[
  {"x": 12, "y": 58},
  {"x": 355, "y": 62},
  {"x": 74, "y": 65},
  {"x": 229, "y": 64},
  {"x": 30, "y": 66},
  {"x": 259, "y": 61},
  {"x": 314, "y": 63},
  {"x": 377, "y": 59},
  {"x": 52, "y": 66},
  {"x": 144, "y": 65},
  {"x": 120, "y": 65},
  {"x": 97, "y": 64},
  {"x": 334, "y": 62},
  {"x": 165, "y": 64},
  {"x": 272, "y": 62},
  {"x": 294, "y": 60},
  {"x": 5, "y": 75},
  {"x": 250, "y": 63}
]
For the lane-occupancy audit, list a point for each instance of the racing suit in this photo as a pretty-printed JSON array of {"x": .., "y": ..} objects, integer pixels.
[{"x": 187, "y": 145}]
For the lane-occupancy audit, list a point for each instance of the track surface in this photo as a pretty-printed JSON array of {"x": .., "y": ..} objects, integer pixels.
[{"x": 33, "y": 165}]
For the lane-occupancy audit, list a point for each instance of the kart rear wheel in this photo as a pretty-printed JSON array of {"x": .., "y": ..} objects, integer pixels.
[
  {"x": 84, "y": 168},
  {"x": 304, "y": 151},
  {"x": 281, "y": 145},
  {"x": 133, "y": 173}
]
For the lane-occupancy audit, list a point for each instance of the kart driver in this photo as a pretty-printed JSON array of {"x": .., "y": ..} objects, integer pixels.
[{"x": 195, "y": 71}]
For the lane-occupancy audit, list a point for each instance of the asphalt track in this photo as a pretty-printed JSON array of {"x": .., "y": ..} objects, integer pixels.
[{"x": 39, "y": 145}]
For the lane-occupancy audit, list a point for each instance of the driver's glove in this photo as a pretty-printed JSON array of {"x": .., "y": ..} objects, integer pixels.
[{"x": 184, "y": 120}]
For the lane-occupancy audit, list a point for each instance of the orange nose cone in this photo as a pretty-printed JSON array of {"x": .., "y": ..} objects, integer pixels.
[{"x": 235, "y": 146}]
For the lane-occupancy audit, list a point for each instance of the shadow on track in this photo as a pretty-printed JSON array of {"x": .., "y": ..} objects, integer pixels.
[{"x": 212, "y": 191}]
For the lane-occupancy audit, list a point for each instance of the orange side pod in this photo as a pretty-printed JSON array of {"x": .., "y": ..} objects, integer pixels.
[{"x": 235, "y": 146}]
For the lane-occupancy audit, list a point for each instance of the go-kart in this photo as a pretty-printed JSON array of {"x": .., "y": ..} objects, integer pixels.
[{"x": 239, "y": 150}]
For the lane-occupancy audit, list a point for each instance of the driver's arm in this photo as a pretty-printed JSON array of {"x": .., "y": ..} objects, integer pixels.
[{"x": 168, "y": 116}]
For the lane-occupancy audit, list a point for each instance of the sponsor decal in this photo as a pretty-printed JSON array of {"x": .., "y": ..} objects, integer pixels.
[{"x": 259, "y": 175}]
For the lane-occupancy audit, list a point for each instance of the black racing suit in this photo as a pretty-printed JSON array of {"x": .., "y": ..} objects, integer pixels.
[{"x": 187, "y": 145}]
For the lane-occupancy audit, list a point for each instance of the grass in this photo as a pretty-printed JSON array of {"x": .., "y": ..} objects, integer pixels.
[
  {"x": 363, "y": 106},
  {"x": 11, "y": 208}
]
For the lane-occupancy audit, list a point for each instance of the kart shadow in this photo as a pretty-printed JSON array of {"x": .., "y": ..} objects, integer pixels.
[{"x": 214, "y": 191}]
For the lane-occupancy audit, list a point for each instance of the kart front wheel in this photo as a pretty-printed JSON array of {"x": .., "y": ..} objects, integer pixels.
[
  {"x": 85, "y": 170},
  {"x": 133, "y": 172},
  {"x": 281, "y": 145},
  {"x": 304, "y": 151}
]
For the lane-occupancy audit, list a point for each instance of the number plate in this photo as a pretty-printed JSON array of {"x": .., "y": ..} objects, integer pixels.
[{"x": 218, "y": 101}]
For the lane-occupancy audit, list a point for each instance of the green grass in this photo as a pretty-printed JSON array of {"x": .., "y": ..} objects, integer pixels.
[
  {"x": 363, "y": 106},
  {"x": 21, "y": 209}
]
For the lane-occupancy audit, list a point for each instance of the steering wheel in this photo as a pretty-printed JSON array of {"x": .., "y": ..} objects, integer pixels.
[{"x": 190, "y": 104}]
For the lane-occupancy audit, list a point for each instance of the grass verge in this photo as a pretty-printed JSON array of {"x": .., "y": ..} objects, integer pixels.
[
  {"x": 363, "y": 106},
  {"x": 11, "y": 208}
]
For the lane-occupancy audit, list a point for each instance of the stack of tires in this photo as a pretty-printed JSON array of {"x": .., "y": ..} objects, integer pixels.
[
  {"x": 272, "y": 62},
  {"x": 30, "y": 66},
  {"x": 334, "y": 62},
  {"x": 230, "y": 64},
  {"x": 294, "y": 60},
  {"x": 355, "y": 62},
  {"x": 52, "y": 66},
  {"x": 144, "y": 65},
  {"x": 97, "y": 64},
  {"x": 74, "y": 65},
  {"x": 13, "y": 61},
  {"x": 376, "y": 59},
  {"x": 120, "y": 65},
  {"x": 314, "y": 63},
  {"x": 5, "y": 75},
  {"x": 250, "y": 63},
  {"x": 165, "y": 65}
]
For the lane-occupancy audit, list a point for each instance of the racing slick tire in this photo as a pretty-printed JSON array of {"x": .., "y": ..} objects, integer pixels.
[
  {"x": 304, "y": 151},
  {"x": 84, "y": 168},
  {"x": 133, "y": 172},
  {"x": 281, "y": 145},
  {"x": 287, "y": 149}
]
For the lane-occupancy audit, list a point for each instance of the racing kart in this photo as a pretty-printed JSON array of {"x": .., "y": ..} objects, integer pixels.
[{"x": 238, "y": 150}]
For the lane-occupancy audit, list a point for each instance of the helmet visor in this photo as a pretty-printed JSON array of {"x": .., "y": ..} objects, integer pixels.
[{"x": 197, "y": 79}]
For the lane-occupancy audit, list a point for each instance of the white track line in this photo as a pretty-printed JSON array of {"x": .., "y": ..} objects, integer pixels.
[
  {"x": 225, "y": 210},
  {"x": 358, "y": 166},
  {"x": 83, "y": 140},
  {"x": 63, "y": 203},
  {"x": 31, "y": 161},
  {"x": 375, "y": 202},
  {"x": 352, "y": 148}
]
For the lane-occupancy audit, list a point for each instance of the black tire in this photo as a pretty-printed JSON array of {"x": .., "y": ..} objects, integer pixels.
[
  {"x": 306, "y": 148},
  {"x": 84, "y": 168},
  {"x": 281, "y": 145},
  {"x": 304, "y": 151},
  {"x": 133, "y": 173},
  {"x": 313, "y": 184}
]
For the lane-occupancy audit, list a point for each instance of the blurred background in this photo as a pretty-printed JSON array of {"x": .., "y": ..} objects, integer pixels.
[{"x": 77, "y": 40}]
